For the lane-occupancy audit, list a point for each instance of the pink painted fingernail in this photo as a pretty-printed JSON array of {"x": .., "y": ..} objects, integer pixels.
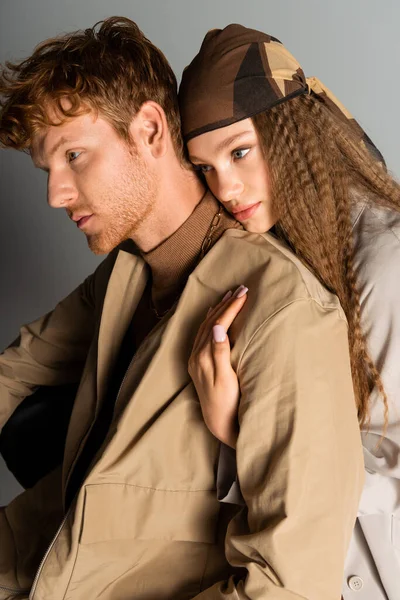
[
  {"x": 219, "y": 333},
  {"x": 241, "y": 291},
  {"x": 227, "y": 296}
]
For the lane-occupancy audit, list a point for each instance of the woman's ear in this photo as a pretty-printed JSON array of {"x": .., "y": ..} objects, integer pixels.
[{"x": 149, "y": 128}]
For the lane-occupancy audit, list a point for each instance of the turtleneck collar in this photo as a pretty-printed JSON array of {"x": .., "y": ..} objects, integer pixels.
[{"x": 173, "y": 260}]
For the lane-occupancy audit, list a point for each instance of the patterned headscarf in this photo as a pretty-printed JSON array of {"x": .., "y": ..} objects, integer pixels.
[{"x": 240, "y": 72}]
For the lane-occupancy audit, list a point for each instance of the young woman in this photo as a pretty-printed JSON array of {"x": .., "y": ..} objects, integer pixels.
[{"x": 285, "y": 157}]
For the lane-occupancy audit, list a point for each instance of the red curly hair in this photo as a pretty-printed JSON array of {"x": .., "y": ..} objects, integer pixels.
[{"x": 111, "y": 68}]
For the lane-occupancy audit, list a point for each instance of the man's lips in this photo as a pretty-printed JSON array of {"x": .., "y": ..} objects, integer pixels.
[
  {"x": 81, "y": 221},
  {"x": 243, "y": 212}
]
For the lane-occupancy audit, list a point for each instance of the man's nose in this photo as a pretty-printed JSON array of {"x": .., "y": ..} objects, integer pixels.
[
  {"x": 229, "y": 187},
  {"x": 61, "y": 190}
]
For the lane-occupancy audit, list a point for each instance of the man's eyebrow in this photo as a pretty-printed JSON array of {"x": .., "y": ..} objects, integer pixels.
[
  {"x": 225, "y": 143},
  {"x": 63, "y": 140}
]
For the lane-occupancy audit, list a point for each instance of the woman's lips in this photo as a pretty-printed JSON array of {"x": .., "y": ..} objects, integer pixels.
[{"x": 245, "y": 214}]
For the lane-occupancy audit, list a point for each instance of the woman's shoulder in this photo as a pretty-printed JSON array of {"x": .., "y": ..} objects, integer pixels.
[
  {"x": 372, "y": 223},
  {"x": 279, "y": 273},
  {"x": 376, "y": 235}
]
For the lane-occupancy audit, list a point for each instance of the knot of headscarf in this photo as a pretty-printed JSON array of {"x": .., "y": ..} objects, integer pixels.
[{"x": 240, "y": 72}]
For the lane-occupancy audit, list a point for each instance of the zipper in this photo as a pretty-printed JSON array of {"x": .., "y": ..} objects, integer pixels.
[{"x": 35, "y": 581}]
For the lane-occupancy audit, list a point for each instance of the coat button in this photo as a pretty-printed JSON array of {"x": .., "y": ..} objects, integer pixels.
[{"x": 355, "y": 583}]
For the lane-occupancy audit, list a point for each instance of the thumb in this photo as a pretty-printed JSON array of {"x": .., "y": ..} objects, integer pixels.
[{"x": 221, "y": 348}]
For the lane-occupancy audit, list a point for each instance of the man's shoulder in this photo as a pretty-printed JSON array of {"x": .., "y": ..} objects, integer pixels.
[{"x": 269, "y": 267}]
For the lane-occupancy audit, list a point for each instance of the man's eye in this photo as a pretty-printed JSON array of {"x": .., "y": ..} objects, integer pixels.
[
  {"x": 72, "y": 156},
  {"x": 240, "y": 153}
]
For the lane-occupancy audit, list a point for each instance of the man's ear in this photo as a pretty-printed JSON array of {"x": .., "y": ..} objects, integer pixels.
[{"x": 149, "y": 128}]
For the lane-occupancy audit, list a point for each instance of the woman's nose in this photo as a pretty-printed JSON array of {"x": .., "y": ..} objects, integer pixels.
[{"x": 229, "y": 188}]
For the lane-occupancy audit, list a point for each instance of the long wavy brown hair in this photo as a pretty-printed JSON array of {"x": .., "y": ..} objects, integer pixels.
[{"x": 318, "y": 169}]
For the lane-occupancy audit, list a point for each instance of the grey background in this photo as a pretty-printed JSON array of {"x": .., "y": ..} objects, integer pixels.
[{"x": 353, "y": 46}]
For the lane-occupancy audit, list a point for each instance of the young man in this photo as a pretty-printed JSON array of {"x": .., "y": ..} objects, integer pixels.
[{"x": 134, "y": 513}]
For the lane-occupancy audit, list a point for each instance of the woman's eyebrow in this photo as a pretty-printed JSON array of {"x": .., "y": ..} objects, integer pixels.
[
  {"x": 225, "y": 143},
  {"x": 234, "y": 138}
]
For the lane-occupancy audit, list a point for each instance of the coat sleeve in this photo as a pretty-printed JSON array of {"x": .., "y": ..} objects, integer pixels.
[
  {"x": 52, "y": 350},
  {"x": 299, "y": 460},
  {"x": 377, "y": 264}
]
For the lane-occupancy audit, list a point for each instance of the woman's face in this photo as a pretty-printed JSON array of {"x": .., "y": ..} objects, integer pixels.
[{"x": 232, "y": 161}]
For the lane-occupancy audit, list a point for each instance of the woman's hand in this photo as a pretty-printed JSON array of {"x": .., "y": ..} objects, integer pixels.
[{"x": 210, "y": 368}]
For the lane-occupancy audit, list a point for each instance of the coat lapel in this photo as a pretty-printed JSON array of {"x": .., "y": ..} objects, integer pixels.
[
  {"x": 125, "y": 288},
  {"x": 159, "y": 370}
]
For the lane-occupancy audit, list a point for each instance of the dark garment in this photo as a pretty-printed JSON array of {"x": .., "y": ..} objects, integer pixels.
[{"x": 32, "y": 441}]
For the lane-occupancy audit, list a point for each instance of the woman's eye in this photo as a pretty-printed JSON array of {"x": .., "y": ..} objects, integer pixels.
[
  {"x": 72, "y": 156},
  {"x": 240, "y": 153},
  {"x": 202, "y": 168}
]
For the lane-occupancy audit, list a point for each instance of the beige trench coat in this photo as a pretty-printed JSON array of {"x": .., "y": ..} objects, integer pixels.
[
  {"x": 372, "y": 567},
  {"x": 146, "y": 523}
]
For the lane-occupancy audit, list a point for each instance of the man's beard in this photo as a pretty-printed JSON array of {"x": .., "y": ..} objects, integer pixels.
[{"x": 133, "y": 203}]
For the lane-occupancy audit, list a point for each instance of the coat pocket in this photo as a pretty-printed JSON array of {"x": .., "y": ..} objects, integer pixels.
[{"x": 119, "y": 511}]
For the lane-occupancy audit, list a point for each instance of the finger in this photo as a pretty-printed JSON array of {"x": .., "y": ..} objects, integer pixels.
[
  {"x": 204, "y": 329},
  {"x": 220, "y": 336},
  {"x": 198, "y": 341},
  {"x": 228, "y": 313},
  {"x": 221, "y": 303},
  {"x": 228, "y": 295},
  {"x": 213, "y": 314},
  {"x": 239, "y": 293},
  {"x": 224, "y": 315},
  {"x": 201, "y": 364},
  {"x": 202, "y": 334},
  {"x": 221, "y": 352}
]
